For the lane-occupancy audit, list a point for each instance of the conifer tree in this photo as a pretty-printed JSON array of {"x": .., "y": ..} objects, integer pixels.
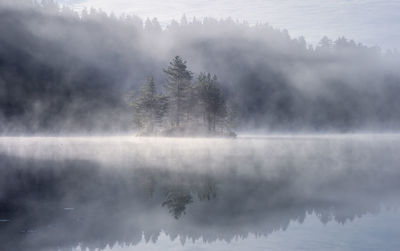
[
  {"x": 149, "y": 106},
  {"x": 178, "y": 89},
  {"x": 212, "y": 100},
  {"x": 193, "y": 108}
]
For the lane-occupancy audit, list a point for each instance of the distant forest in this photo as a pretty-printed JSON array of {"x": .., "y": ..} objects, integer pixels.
[{"x": 64, "y": 72}]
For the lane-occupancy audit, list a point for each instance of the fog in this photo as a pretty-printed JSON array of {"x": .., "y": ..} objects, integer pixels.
[
  {"x": 96, "y": 192},
  {"x": 65, "y": 73},
  {"x": 316, "y": 132},
  {"x": 311, "y": 18}
]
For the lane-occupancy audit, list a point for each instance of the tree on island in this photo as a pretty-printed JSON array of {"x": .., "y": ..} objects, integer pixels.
[
  {"x": 149, "y": 107},
  {"x": 186, "y": 109},
  {"x": 211, "y": 100},
  {"x": 178, "y": 89}
]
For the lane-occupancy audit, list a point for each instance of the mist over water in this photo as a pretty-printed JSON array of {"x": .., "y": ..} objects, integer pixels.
[
  {"x": 66, "y": 73},
  {"x": 61, "y": 193}
]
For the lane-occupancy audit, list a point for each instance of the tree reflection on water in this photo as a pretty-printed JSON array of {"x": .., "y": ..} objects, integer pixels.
[{"x": 63, "y": 203}]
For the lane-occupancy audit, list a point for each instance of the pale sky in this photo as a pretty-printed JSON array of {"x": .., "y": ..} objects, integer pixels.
[{"x": 372, "y": 22}]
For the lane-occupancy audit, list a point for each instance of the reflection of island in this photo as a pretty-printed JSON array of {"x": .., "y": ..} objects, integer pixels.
[{"x": 60, "y": 204}]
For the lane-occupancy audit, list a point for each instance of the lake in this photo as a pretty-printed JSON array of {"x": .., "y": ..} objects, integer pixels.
[{"x": 278, "y": 192}]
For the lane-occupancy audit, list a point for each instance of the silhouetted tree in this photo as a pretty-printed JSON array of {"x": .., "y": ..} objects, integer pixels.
[
  {"x": 149, "y": 106},
  {"x": 178, "y": 88},
  {"x": 176, "y": 202},
  {"x": 325, "y": 44},
  {"x": 201, "y": 106},
  {"x": 152, "y": 26},
  {"x": 73, "y": 74},
  {"x": 212, "y": 100}
]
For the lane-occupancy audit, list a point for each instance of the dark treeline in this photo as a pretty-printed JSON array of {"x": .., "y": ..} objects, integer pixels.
[{"x": 64, "y": 72}]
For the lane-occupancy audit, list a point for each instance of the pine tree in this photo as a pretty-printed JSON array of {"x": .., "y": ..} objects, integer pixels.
[
  {"x": 149, "y": 106},
  {"x": 194, "y": 108},
  {"x": 212, "y": 100},
  {"x": 178, "y": 89}
]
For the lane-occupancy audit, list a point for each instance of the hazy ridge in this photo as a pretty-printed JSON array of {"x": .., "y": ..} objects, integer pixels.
[{"x": 61, "y": 73}]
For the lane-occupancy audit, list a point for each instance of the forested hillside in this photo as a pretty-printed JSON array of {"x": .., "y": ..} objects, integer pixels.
[{"x": 61, "y": 72}]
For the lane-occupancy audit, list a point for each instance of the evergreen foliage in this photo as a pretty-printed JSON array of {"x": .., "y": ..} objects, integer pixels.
[
  {"x": 211, "y": 100},
  {"x": 149, "y": 107},
  {"x": 186, "y": 108},
  {"x": 178, "y": 88},
  {"x": 64, "y": 72}
]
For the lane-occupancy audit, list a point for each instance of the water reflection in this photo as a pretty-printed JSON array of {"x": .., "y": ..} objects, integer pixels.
[{"x": 62, "y": 201}]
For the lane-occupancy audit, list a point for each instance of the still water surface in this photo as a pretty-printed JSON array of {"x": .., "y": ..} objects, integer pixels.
[{"x": 330, "y": 192}]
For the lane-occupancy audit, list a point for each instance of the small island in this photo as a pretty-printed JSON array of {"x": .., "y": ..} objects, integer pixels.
[{"x": 183, "y": 108}]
